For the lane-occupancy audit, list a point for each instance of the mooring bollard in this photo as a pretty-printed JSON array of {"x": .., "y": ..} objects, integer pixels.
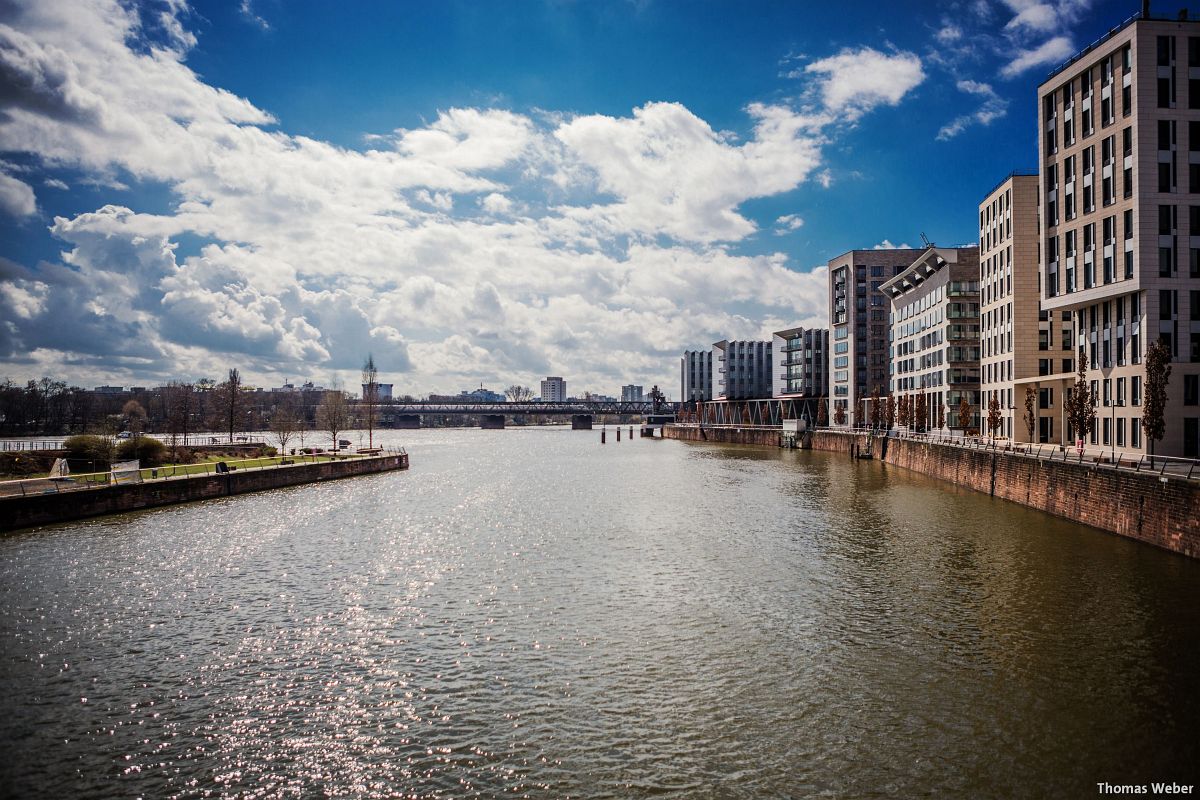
[
  {"x": 601, "y": 436},
  {"x": 630, "y": 433},
  {"x": 618, "y": 434}
]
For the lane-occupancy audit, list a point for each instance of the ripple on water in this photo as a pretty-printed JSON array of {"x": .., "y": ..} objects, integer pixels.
[{"x": 527, "y": 612}]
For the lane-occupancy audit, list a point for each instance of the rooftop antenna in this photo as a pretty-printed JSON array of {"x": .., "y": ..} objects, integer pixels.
[{"x": 925, "y": 239}]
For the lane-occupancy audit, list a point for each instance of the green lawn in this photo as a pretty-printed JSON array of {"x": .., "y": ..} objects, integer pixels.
[{"x": 210, "y": 467}]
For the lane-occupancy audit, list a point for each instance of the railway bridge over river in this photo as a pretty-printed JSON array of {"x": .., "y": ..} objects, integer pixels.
[{"x": 493, "y": 415}]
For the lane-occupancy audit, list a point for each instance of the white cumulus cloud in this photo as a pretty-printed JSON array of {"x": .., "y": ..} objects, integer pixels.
[
  {"x": 855, "y": 81},
  {"x": 485, "y": 245}
]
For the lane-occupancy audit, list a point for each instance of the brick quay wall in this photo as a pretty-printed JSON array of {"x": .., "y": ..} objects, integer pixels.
[
  {"x": 52, "y": 507},
  {"x": 1162, "y": 511}
]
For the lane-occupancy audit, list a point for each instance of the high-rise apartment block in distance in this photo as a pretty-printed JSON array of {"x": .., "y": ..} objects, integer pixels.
[
  {"x": 554, "y": 389},
  {"x": 935, "y": 333},
  {"x": 631, "y": 393},
  {"x": 1119, "y": 158},
  {"x": 858, "y": 321},
  {"x": 741, "y": 370},
  {"x": 801, "y": 364},
  {"x": 695, "y": 376},
  {"x": 1012, "y": 344}
]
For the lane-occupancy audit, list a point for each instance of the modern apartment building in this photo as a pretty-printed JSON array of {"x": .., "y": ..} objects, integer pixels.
[
  {"x": 741, "y": 370},
  {"x": 801, "y": 364},
  {"x": 695, "y": 376},
  {"x": 1119, "y": 158},
  {"x": 935, "y": 333},
  {"x": 1013, "y": 343},
  {"x": 858, "y": 320},
  {"x": 631, "y": 393},
  {"x": 554, "y": 389}
]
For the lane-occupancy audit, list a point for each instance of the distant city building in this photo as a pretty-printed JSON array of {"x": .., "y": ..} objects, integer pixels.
[
  {"x": 631, "y": 393},
  {"x": 109, "y": 389},
  {"x": 695, "y": 376},
  {"x": 801, "y": 363},
  {"x": 481, "y": 395},
  {"x": 741, "y": 370},
  {"x": 935, "y": 333},
  {"x": 1015, "y": 342},
  {"x": 1119, "y": 156},
  {"x": 858, "y": 320},
  {"x": 554, "y": 389},
  {"x": 383, "y": 392}
]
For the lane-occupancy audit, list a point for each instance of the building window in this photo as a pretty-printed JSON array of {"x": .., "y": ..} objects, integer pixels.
[{"x": 1191, "y": 390}]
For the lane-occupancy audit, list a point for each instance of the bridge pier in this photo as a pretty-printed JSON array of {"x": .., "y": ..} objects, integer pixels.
[
  {"x": 581, "y": 422},
  {"x": 491, "y": 422},
  {"x": 408, "y": 422}
]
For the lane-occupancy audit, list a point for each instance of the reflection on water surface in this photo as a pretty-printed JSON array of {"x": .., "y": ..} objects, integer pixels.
[{"x": 526, "y": 612}]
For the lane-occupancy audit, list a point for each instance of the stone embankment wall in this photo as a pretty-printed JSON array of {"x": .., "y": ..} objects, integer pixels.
[
  {"x": 42, "y": 509},
  {"x": 760, "y": 436},
  {"x": 1163, "y": 511}
]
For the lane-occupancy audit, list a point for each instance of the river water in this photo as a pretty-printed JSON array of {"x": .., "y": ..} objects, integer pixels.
[{"x": 528, "y": 613}]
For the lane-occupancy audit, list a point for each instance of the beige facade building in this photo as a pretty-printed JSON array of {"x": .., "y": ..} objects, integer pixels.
[
  {"x": 935, "y": 333},
  {"x": 1014, "y": 343},
  {"x": 1119, "y": 161},
  {"x": 858, "y": 323}
]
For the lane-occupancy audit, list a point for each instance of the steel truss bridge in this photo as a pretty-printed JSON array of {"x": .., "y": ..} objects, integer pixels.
[
  {"x": 569, "y": 407},
  {"x": 766, "y": 413}
]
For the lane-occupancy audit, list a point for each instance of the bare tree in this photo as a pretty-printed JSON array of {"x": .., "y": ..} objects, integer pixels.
[
  {"x": 839, "y": 415},
  {"x": 1158, "y": 374},
  {"x": 333, "y": 415},
  {"x": 822, "y": 415},
  {"x": 876, "y": 409},
  {"x": 518, "y": 394},
  {"x": 964, "y": 413},
  {"x": 285, "y": 422},
  {"x": 941, "y": 416},
  {"x": 889, "y": 412},
  {"x": 922, "y": 411},
  {"x": 135, "y": 417},
  {"x": 370, "y": 389},
  {"x": 1081, "y": 405},
  {"x": 902, "y": 409},
  {"x": 228, "y": 403},
  {"x": 180, "y": 402},
  {"x": 1030, "y": 410},
  {"x": 994, "y": 417}
]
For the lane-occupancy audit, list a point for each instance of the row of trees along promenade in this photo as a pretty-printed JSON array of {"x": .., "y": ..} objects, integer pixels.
[{"x": 1080, "y": 405}]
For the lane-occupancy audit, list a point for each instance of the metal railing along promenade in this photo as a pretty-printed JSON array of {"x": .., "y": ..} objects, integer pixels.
[
  {"x": 1174, "y": 466},
  {"x": 1188, "y": 468},
  {"x": 85, "y": 481}
]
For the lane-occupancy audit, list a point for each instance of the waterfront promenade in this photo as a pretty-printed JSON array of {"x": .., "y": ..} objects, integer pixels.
[{"x": 41, "y": 501}]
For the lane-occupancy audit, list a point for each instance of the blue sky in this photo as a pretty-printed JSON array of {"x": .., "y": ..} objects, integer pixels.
[{"x": 479, "y": 191}]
